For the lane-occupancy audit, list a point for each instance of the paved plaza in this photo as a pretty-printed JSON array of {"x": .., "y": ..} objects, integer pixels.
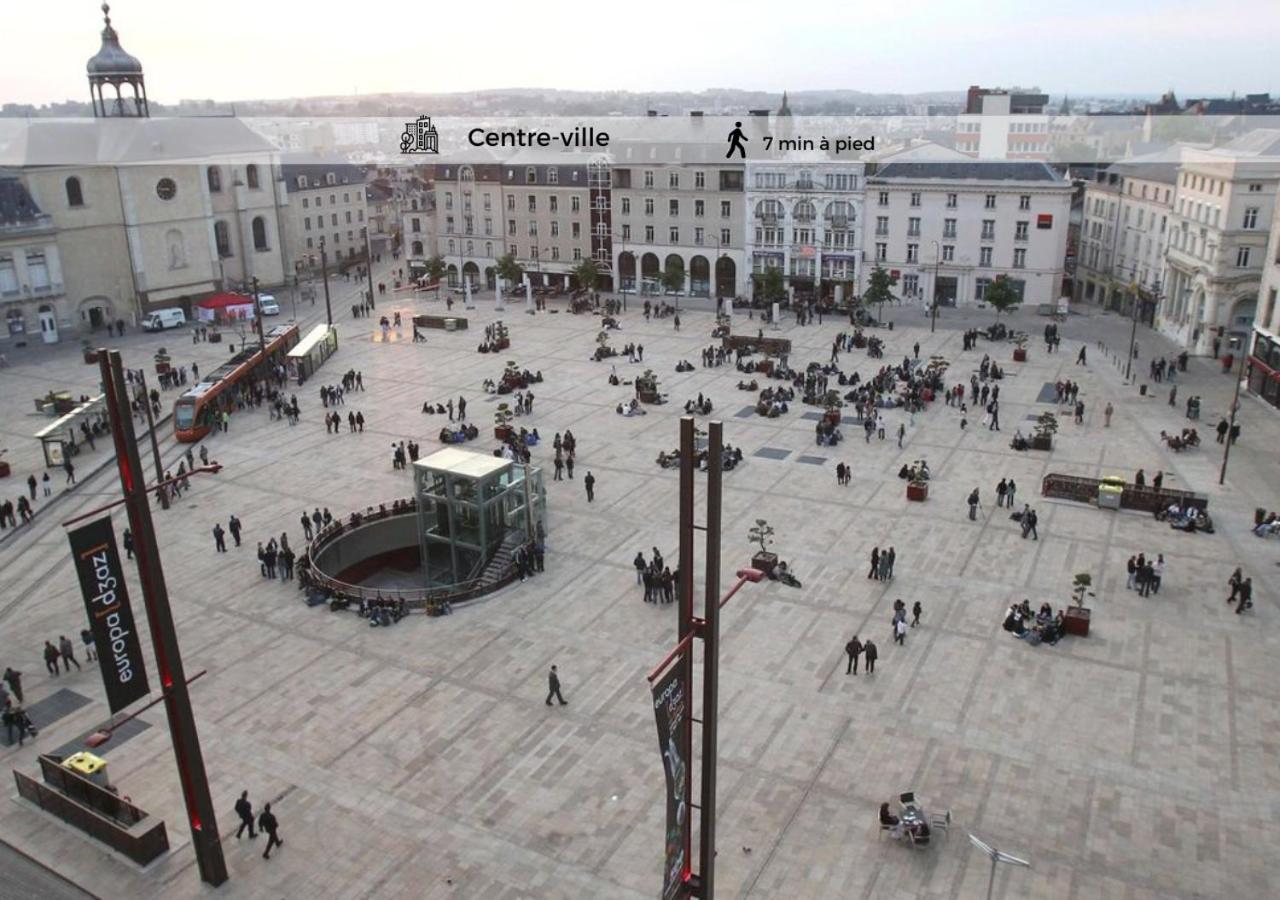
[{"x": 419, "y": 761}]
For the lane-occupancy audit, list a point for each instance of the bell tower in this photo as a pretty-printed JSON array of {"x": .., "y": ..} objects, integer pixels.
[{"x": 113, "y": 76}]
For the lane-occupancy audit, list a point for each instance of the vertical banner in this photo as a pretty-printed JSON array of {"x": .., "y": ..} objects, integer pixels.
[
  {"x": 106, "y": 600},
  {"x": 671, "y": 710}
]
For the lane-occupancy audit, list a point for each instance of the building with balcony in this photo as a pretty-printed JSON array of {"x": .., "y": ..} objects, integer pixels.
[
  {"x": 468, "y": 227},
  {"x": 677, "y": 206},
  {"x": 546, "y": 213},
  {"x": 804, "y": 216},
  {"x": 947, "y": 229},
  {"x": 32, "y": 298},
  {"x": 1264, "y": 351},
  {"x": 1224, "y": 200},
  {"x": 324, "y": 200}
]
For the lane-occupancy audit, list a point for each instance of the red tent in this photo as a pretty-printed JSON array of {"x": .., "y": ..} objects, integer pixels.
[{"x": 223, "y": 307}]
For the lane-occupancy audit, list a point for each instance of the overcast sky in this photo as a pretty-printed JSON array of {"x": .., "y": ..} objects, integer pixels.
[{"x": 245, "y": 49}]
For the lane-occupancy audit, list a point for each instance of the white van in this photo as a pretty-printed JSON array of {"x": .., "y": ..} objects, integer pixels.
[
  {"x": 268, "y": 305},
  {"x": 164, "y": 318}
]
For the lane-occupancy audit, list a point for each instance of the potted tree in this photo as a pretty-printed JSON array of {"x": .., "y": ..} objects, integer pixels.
[
  {"x": 502, "y": 418},
  {"x": 878, "y": 290},
  {"x": 1075, "y": 619},
  {"x": 917, "y": 486},
  {"x": 762, "y": 534},
  {"x": 1046, "y": 428},
  {"x": 832, "y": 401},
  {"x": 1003, "y": 296},
  {"x": 1020, "y": 351},
  {"x": 647, "y": 387}
]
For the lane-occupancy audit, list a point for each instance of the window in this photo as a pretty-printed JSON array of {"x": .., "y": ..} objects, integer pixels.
[
  {"x": 724, "y": 236},
  {"x": 674, "y": 234},
  {"x": 451, "y": 246},
  {"x": 673, "y": 180},
  {"x": 533, "y": 203},
  {"x": 333, "y": 198},
  {"x": 330, "y": 178},
  {"x": 1020, "y": 258},
  {"x": 511, "y": 227},
  {"x": 575, "y": 229},
  {"x": 553, "y": 175},
  {"x": 948, "y": 228},
  {"x": 1255, "y": 189},
  {"x": 988, "y": 229},
  {"x": 488, "y": 248},
  {"x": 530, "y": 175},
  {"x": 337, "y": 238},
  {"x": 310, "y": 243},
  {"x": 980, "y": 287},
  {"x": 648, "y": 179},
  {"x": 699, "y": 207},
  {"x": 555, "y": 229},
  {"x": 951, "y": 201},
  {"x": 333, "y": 218},
  {"x": 1024, "y": 201},
  {"x": 554, "y": 203},
  {"x": 1020, "y": 230},
  {"x": 699, "y": 236},
  {"x": 575, "y": 204},
  {"x": 984, "y": 257},
  {"x": 910, "y": 284},
  {"x": 346, "y": 196},
  {"x": 511, "y": 202},
  {"x": 991, "y": 201},
  {"x": 882, "y": 252},
  {"x": 555, "y": 253},
  {"x": 415, "y": 225},
  {"x": 913, "y": 253},
  {"x": 884, "y": 198},
  {"x": 882, "y": 225},
  {"x": 348, "y": 214},
  {"x": 251, "y": 176},
  {"x": 913, "y": 227},
  {"x": 305, "y": 204},
  {"x": 577, "y": 251},
  {"x": 75, "y": 194},
  {"x": 626, "y": 206},
  {"x": 648, "y": 234},
  {"x": 1251, "y": 217},
  {"x": 648, "y": 206},
  {"x": 626, "y": 232},
  {"x": 948, "y": 252},
  {"x": 915, "y": 198},
  {"x": 259, "y": 233},
  {"x": 488, "y": 203},
  {"x": 37, "y": 270},
  {"x": 726, "y": 208},
  {"x": 1242, "y": 258},
  {"x": 699, "y": 180},
  {"x": 302, "y": 181},
  {"x": 533, "y": 229},
  {"x": 214, "y": 174},
  {"x": 673, "y": 207}
]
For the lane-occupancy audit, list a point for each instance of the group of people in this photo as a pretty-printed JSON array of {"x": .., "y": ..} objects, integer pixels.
[
  {"x": 440, "y": 409},
  {"x": 658, "y": 579},
  {"x": 882, "y": 563},
  {"x": 1045, "y": 626},
  {"x": 333, "y": 422},
  {"x": 1145, "y": 575}
]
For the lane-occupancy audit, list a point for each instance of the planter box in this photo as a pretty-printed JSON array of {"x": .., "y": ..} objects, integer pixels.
[
  {"x": 832, "y": 416},
  {"x": 504, "y": 343},
  {"x": 4, "y": 469},
  {"x": 765, "y": 366},
  {"x": 1075, "y": 620},
  {"x": 764, "y": 561},
  {"x": 215, "y": 337},
  {"x": 918, "y": 492},
  {"x": 650, "y": 397},
  {"x": 90, "y": 357},
  {"x": 1041, "y": 443},
  {"x": 1020, "y": 354},
  {"x": 502, "y": 432}
]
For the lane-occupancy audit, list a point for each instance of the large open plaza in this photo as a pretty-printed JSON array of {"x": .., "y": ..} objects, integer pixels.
[{"x": 1141, "y": 761}]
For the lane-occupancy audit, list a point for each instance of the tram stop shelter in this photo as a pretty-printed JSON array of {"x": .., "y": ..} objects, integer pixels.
[
  {"x": 55, "y": 437},
  {"x": 470, "y": 506},
  {"x": 309, "y": 355}
]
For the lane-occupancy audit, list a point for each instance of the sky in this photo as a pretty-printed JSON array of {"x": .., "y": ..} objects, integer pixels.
[{"x": 249, "y": 49}]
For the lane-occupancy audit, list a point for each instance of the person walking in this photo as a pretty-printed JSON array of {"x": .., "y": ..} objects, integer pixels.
[
  {"x": 13, "y": 678},
  {"x": 874, "y": 571},
  {"x": 47, "y": 483},
  {"x": 590, "y": 484},
  {"x": 244, "y": 809},
  {"x": 19, "y": 719},
  {"x": 1032, "y": 520},
  {"x": 1246, "y": 596},
  {"x": 1081, "y": 359},
  {"x": 219, "y": 538},
  {"x": 900, "y": 631},
  {"x": 1010, "y": 490},
  {"x": 31, "y": 486},
  {"x": 974, "y": 503},
  {"x": 568, "y": 465},
  {"x": 267, "y": 822},
  {"x": 852, "y": 650},
  {"x": 1106, "y": 415},
  {"x": 639, "y": 564},
  {"x": 70, "y": 468},
  {"x": 1157, "y": 573},
  {"x": 234, "y": 527},
  {"x": 306, "y": 526},
  {"x": 1001, "y": 490},
  {"x": 128, "y": 542},
  {"x": 86, "y": 638},
  {"x": 869, "y": 656},
  {"x": 902, "y": 432},
  {"x": 68, "y": 652},
  {"x": 1132, "y": 568},
  {"x": 889, "y": 559},
  {"x": 553, "y": 688},
  {"x": 51, "y": 657},
  {"x": 916, "y": 610}
]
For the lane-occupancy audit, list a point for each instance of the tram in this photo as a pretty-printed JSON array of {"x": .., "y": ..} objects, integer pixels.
[{"x": 195, "y": 412}]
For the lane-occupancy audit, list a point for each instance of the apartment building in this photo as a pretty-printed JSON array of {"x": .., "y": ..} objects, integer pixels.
[
  {"x": 466, "y": 221},
  {"x": 1128, "y": 208},
  {"x": 678, "y": 205},
  {"x": 32, "y": 296},
  {"x": 545, "y": 213},
  {"x": 805, "y": 218},
  {"x": 1224, "y": 201},
  {"x": 325, "y": 201},
  {"x": 1264, "y": 351},
  {"x": 948, "y": 228}
]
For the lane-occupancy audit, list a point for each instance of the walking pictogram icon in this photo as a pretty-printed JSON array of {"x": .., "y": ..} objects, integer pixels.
[{"x": 736, "y": 137}]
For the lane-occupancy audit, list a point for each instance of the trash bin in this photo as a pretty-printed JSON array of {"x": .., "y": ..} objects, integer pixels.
[
  {"x": 1110, "y": 491},
  {"x": 1142, "y": 390}
]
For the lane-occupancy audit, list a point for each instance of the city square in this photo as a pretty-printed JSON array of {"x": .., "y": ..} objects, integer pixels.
[{"x": 1138, "y": 761}]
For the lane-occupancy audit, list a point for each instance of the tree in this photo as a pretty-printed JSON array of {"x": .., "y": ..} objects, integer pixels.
[
  {"x": 588, "y": 274},
  {"x": 673, "y": 277},
  {"x": 1002, "y": 295},
  {"x": 509, "y": 270},
  {"x": 435, "y": 268},
  {"x": 771, "y": 284},
  {"x": 879, "y": 284}
]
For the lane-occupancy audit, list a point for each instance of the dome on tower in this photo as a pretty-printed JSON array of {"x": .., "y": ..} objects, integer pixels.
[{"x": 111, "y": 58}]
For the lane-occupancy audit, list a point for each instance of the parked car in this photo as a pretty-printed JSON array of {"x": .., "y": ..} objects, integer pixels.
[
  {"x": 164, "y": 318},
  {"x": 268, "y": 305}
]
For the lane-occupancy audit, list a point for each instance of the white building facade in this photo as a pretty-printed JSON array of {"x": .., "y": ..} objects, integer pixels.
[{"x": 948, "y": 229}]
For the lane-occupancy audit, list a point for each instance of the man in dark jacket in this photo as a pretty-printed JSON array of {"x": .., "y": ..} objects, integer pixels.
[
  {"x": 553, "y": 684},
  {"x": 267, "y": 822},
  {"x": 244, "y": 809},
  {"x": 869, "y": 654},
  {"x": 852, "y": 649}
]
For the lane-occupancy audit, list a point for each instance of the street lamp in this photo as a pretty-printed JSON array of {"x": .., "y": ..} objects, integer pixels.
[
  {"x": 937, "y": 261},
  {"x": 324, "y": 273},
  {"x": 368, "y": 262},
  {"x": 1235, "y": 404}
]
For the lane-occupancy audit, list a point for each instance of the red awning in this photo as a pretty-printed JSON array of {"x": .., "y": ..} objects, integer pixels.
[{"x": 222, "y": 301}]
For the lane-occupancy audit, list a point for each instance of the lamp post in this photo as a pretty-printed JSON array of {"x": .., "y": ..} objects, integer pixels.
[
  {"x": 368, "y": 262},
  {"x": 1235, "y": 404},
  {"x": 257, "y": 316},
  {"x": 324, "y": 273},
  {"x": 933, "y": 313}
]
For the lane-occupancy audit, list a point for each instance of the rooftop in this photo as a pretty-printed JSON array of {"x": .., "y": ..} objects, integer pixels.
[
  {"x": 463, "y": 462},
  {"x": 969, "y": 171}
]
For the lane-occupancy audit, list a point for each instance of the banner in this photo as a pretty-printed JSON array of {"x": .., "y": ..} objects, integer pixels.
[
  {"x": 106, "y": 599},
  {"x": 671, "y": 710}
]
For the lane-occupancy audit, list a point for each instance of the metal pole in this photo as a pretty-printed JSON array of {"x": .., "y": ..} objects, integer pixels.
[
  {"x": 257, "y": 315},
  {"x": 173, "y": 682},
  {"x": 937, "y": 260},
  {"x": 1133, "y": 336},
  {"x": 324, "y": 273},
  {"x": 155, "y": 446},
  {"x": 684, "y": 597},
  {"x": 368, "y": 263},
  {"x": 710, "y": 664},
  {"x": 1235, "y": 402},
  {"x": 991, "y": 882}
]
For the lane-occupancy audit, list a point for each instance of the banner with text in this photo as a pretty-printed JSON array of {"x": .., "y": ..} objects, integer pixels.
[
  {"x": 106, "y": 599},
  {"x": 671, "y": 710}
]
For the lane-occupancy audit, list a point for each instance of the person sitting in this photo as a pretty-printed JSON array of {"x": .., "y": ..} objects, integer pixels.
[
  {"x": 613, "y": 379},
  {"x": 920, "y": 832},
  {"x": 1266, "y": 526},
  {"x": 1019, "y": 442},
  {"x": 888, "y": 821}
]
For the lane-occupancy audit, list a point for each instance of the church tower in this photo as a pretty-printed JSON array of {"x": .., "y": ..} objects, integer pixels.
[{"x": 112, "y": 70}]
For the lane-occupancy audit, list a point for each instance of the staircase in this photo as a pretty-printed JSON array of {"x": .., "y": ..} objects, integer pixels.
[{"x": 501, "y": 567}]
